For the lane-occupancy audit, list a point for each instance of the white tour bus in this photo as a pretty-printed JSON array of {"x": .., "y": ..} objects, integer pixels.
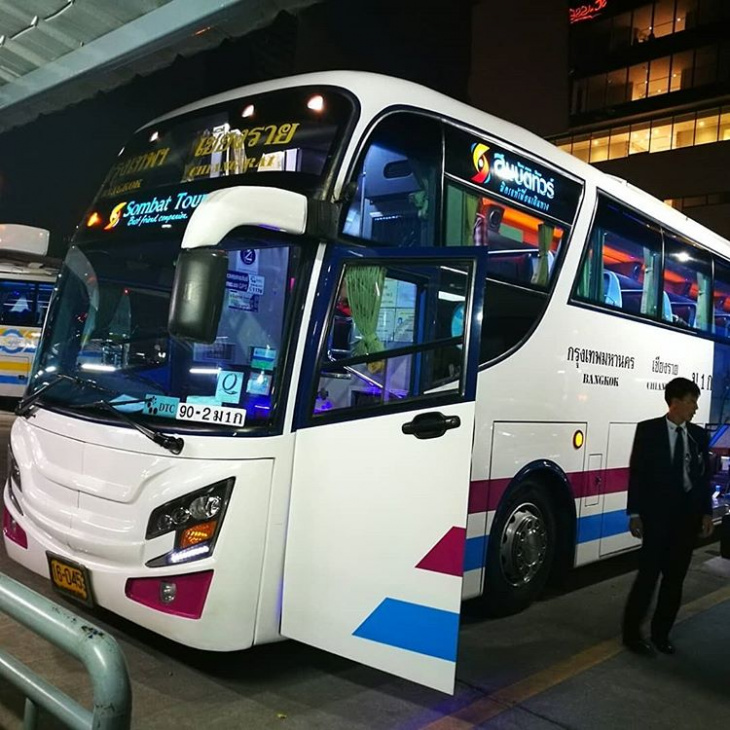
[
  {"x": 332, "y": 353},
  {"x": 27, "y": 278}
]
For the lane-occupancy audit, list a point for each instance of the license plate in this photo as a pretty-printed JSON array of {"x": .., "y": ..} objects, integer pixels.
[
  {"x": 211, "y": 414},
  {"x": 70, "y": 579}
]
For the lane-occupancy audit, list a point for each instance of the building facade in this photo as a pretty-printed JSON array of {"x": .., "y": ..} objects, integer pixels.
[{"x": 650, "y": 98}]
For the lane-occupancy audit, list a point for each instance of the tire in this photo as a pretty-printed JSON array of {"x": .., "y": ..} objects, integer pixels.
[{"x": 521, "y": 550}]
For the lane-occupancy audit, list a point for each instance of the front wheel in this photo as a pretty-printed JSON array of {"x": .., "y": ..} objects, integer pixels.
[{"x": 521, "y": 550}]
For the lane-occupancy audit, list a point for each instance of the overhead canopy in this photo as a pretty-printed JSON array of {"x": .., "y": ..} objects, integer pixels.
[{"x": 57, "y": 52}]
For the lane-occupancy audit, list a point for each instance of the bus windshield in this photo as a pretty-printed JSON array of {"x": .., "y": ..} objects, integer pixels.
[
  {"x": 108, "y": 328},
  {"x": 288, "y": 139}
]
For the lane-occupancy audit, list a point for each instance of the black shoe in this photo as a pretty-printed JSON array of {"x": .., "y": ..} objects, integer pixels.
[
  {"x": 664, "y": 646},
  {"x": 639, "y": 646}
]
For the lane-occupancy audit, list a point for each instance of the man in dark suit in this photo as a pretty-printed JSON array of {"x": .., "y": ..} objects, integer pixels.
[{"x": 669, "y": 503}]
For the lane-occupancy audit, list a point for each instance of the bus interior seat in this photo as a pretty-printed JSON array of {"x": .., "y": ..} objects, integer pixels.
[
  {"x": 722, "y": 325},
  {"x": 684, "y": 312},
  {"x": 611, "y": 289},
  {"x": 632, "y": 292}
]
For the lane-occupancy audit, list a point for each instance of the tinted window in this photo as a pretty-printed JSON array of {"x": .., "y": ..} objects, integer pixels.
[
  {"x": 396, "y": 333},
  {"x": 721, "y": 300},
  {"x": 396, "y": 183},
  {"x": 292, "y": 131},
  {"x": 622, "y": 262},
  {"x": 686, "y": 284},
  {"x": 17, "y": 304},
  {"x": 522, "y": 247}
]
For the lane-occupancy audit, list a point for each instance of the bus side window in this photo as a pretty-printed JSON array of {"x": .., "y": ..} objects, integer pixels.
[
  {"x": 622, "y": 261},
  {"x": 721, "y": 300},
  {"x": 396, "y": 183},
  {"x": 16, "y": 303},
  {"x": 522, "y": 249},
  {"x": 414, "y": 311},
  {"x": 44, "y": 297},
  {"x": 687, "y": 281}
]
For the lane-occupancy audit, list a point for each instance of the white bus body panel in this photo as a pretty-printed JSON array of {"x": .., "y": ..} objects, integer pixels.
[
  {"x": 374, "y": 554},
  {"x": 547, "y": 380},
  {"x": 90, "y": 502},
  {"x": 618, "y": 453}
]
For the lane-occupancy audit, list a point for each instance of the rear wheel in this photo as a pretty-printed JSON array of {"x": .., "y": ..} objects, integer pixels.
[{"x": 521, "y": 550}]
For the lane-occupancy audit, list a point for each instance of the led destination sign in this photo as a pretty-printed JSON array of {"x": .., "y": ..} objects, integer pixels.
[
  {"x": 156, "y": 210},
  {"x": 512, "y": 176}
]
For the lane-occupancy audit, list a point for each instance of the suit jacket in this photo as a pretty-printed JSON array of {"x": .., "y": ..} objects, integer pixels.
[{"x": 653, "y": 488}]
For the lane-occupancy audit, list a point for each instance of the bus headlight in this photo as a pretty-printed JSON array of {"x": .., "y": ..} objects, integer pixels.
[{"x": 195, "y": 519}]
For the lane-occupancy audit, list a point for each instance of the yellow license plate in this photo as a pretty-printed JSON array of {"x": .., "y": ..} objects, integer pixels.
[{"x": 70, "y": 579}]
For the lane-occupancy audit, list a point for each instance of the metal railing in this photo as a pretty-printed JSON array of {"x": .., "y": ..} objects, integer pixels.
[{"x": 98, "y": 651}]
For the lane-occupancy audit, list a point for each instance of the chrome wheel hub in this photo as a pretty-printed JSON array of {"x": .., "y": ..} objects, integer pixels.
[{"x": 523, "y": 544}]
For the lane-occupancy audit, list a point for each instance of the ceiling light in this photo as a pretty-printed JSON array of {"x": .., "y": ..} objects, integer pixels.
[{"x": 316, "y": 103}]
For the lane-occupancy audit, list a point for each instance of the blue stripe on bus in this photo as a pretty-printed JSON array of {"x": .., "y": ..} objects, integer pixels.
[
  {"x": 475, "y": 552},
  {"x": 606, "y": 524},
  {"x": 411, "y": 626},
  {"x": 593, "y": 527},
  {"x": 13, "y": 379}
]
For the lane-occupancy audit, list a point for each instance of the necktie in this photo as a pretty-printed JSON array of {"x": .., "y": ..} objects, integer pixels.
[{"x": 678, "y": 458}]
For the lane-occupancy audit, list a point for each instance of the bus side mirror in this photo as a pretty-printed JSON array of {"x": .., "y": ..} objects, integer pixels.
[{"x": 197, "y": 294}]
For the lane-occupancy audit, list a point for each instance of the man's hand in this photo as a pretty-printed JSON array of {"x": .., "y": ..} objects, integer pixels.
[
  {"x": 636, "y": 527},
  {"x": 707, "y": 526}
]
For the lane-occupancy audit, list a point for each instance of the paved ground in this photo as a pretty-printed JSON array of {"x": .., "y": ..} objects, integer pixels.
[{"x": 557, "y": 665}]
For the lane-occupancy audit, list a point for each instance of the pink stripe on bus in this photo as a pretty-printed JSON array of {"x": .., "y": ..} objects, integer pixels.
[
  {"x": 447, "y": 555},
  {"x": 485, "y": 494}
]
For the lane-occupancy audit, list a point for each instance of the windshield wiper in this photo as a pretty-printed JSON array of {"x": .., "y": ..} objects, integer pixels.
[
  {"x": 174, "y": 444},
  {"x": 23, "y": 407},
  {"x": 171, "y": 443}
]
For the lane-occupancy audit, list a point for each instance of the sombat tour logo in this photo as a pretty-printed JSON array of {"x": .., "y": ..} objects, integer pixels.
[
  {"x": 481, "y": 163},
  {"x": 173, "y": 208},
  {"x": 511, "y": 176},
  {"x": 115, "y": 216}
]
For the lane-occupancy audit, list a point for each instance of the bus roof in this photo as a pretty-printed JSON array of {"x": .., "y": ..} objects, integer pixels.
[
  {"x": 23, "y": 253},
  {"x": 376, "y": 93},
  {"x": 23, "y": 239}
]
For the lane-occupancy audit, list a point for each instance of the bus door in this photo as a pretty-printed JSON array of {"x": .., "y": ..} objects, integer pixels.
[{"x": 376, "y": 534}]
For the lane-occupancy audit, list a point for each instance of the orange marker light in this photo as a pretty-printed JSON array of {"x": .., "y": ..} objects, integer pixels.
[
  {"x": 93, "y": 220},
  {"x": 197, "y": 534},
  {"x": 578, "y": 439}
]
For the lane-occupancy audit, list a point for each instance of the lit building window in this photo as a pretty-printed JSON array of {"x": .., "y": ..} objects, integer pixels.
[
  {"x": 659, "y": 76},
  {"x": 663, "y": 18},
  {"x": 639, "y": 139},
  {"x": 706, "y": 129},
  {"x": 684, "y": 131},
  {"x": 599, "y": 149},
  {"x": 582, "y": 149},
  {"x": 659, "y": 135},
  {"x": 619, "y": 145},
  {"x": 638, "y": 80},
  {"x": 681, "y": 71},
  {"x": 724, "y": 133}
]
